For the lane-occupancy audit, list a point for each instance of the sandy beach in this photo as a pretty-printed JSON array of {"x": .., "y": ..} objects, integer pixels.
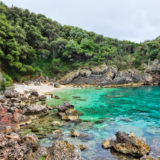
[{"x": 41, "y": 89}]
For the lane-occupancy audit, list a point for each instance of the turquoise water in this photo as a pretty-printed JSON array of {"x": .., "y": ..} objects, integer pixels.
[{"x": 108, "y": 110}]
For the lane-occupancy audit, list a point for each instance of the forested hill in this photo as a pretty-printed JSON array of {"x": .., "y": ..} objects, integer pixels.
[{"x": 32, "y": 43}]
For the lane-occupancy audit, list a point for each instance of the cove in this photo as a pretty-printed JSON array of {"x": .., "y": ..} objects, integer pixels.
[{"x": 108, "y": 110}]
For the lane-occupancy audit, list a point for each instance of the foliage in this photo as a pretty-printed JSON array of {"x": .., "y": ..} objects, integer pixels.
[{"x": 32, "y": 44}]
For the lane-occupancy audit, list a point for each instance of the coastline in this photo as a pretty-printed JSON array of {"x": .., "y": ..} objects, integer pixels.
[
  {"x": 46, "y": 88},
  {"x": 29, "y": 112}
]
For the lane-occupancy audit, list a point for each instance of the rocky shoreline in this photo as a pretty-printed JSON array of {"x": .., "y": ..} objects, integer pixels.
[
  {"x": 21, "y": 108},
  {"x": 110, "y": 76}
]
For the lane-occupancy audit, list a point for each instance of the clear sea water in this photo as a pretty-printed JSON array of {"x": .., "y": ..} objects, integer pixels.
[{"x": 108, "y": 110}]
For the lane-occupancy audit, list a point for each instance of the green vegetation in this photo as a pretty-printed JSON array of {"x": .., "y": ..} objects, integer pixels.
[
  {"x": 43, "y": 157},
  {"x": 32, "y": 44}
]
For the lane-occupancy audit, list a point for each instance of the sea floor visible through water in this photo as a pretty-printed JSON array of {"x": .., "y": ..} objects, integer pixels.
[{"x": 108, "y": 110}]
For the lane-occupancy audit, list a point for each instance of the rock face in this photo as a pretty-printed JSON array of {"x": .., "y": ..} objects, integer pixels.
[
  {"x": 128, "y": 144},
  {"x": 104, "y": 75},
  {"x": 62, "y": 150},
  {"x": 154, "y": 71}
]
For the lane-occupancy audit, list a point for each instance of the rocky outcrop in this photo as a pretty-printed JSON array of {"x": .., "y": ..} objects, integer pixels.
[
  {"x": 127, "y": 144},
  {"x": 103, "y": 75},
  {"x": 108, "y": 75},
  {"x": 130, "y": 144},
  {"x": 67, "y": 112},
  {"x": 62, "y": 150},
  {"x": 16, "y": 108},
  {"x": 15, "y": 147},
  {"x": 11, "y": 93},
  {"x": 153, "y": 70},
  {"x": 35, "y": 109}
]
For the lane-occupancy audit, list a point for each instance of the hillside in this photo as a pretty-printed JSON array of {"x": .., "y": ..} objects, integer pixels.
[{"x": 32, "y": 44}]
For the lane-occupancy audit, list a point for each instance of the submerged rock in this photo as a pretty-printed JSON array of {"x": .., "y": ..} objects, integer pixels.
[
  {"x": 106, "y": 144},
  {"x": 75, "y": 133},
  {"x": 82, "y": 147},
  {"x": 42, "y": 98},
  {"x": 62, "y": 150},
  {"x": 56, "y": 85}
]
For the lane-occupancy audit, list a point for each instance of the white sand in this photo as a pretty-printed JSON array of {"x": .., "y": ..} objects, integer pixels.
[{"x": 41, "y": 89}]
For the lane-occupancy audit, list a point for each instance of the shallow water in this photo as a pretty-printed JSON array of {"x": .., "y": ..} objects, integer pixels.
[{"x": 108, "y": 110}]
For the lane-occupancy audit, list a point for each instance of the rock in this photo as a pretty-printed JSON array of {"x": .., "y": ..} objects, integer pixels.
[
  {"x": 11, "y": 93},
  {"x": 42, "y": 98},
  {"x": 31, "y": 139},
  {"x": 34, "y": 93},
  {"x": 57, "y": 131},
  {"x": 12, "y": 148},
  {"x": 56, "y": 97},
  {"x": 64, "y": 107},
  {"x": 130, "y": 144},
  {"x": 14, "y": 137},
  {"x": 75, "y": 133},
  {"x": 82, "y": 147},
  {"x": 99, "y": 69},
  {"x": 106, "y": 144},
  {"x": 2, "y": 99},
  {"x": 62, "y": 150},
  {"x": 36, "y": 109},
  {"x": 56, "y": 123},
  {"x": 73, "y": 118},
  {"x": 56, "y": 85},
  {"x": 63, "y": 116},
  {"x": 15, "y": 100},
  {"x": 69, "y": 77},
  {"x": 71, "y": 111}
]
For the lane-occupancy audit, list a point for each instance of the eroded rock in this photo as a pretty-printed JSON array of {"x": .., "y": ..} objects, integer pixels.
[
  {"x": 62, "y": 150},
  {"x": 128, "y": 144},
  {"x": 36, "y": 109}
]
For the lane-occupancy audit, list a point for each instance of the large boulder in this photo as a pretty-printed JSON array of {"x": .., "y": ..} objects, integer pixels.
[
  {"x": 62, "y": 150},
  {"x": 64, "y": 107},
  {"x": 32, "y": 140},
  {"x": 11, "y": 93},
  {"x": 130, "y": 144},
  {"x": 35, "y": 109}
]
